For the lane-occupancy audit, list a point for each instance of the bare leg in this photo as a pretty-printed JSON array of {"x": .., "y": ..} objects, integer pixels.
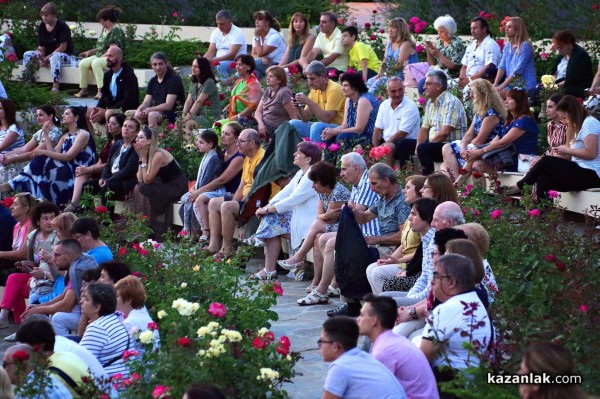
[
  {"x": 229, "y": 213},
  {"x": 450, "y": 164},
  {"x": 188, "y": 127},
  {"x": 78, "y": 189},
  {"x": 201, "y": 212},
  {"x": 272, "y": 250},
  {"x": 154, "y": 118},
  {"x": 318, "y": 259},
  {"x": 327, "y": 243},
  {"x": 317, "y": 227},
  {"x": 214, "y": 211}
]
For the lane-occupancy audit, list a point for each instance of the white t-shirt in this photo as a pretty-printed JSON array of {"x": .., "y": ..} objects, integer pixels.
[
  {"x": 224, "y": 42},
  {"x": 63, "y": 344},
  {"x": 446, "y": 323},
  {"x": 476, "y": 57},
  {"x": 274, "y": 39},
  {"x": 405, "y": 117}
]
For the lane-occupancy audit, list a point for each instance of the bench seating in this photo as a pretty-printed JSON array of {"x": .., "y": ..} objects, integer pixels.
[{"x": 70, "y": 75}]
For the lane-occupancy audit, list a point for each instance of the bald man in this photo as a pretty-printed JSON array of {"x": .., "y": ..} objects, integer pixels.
[{"x": 120, "y": 89}]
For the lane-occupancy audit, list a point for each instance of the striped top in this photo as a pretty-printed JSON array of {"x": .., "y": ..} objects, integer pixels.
[
  {"x": 353, "y": 113},
  {"x": 363, "y": 195},
  {"x": 107, "y": 339},
  {"x": 423, "y": 284}
]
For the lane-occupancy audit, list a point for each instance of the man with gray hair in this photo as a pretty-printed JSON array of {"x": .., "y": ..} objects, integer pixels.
[
  {"x": 325, "y": 102},
  {"x": 397, "y": 120},
  {"x": 444, "y": 120},
  {"x": 328, "y": 43},
  {"x": 450, "y": 326},
  {"x": 226, "y": 43},
  {"x": 354, "y": 172}
]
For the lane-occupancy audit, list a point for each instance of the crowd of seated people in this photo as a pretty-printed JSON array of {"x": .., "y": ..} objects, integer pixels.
[{"x": 428, "y": 261}]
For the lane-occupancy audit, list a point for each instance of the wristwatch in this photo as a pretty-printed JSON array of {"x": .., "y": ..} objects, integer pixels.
[{"x": 413, "y": 314}]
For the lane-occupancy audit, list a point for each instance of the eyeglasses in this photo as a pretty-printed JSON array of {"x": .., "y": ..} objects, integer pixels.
[
  {"x": 77, "y": 236},
  {"x": 242, "y": 141},
  {"x": 5, "y": 363},
  {"x": 437, "y": 276},
  {"x": 320, "y": 342}
]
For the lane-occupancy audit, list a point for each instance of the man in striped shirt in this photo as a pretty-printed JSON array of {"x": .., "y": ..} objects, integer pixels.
[{"x": 354, "y": 172}]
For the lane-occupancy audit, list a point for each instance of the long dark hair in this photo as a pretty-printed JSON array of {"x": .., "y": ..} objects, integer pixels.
[
  {"x": 50, "y": 110},
  {"x": 79, "y": 112},
  {"x": 205, "y": 71},
  {"x": 211, "y": 137},
  {"x": 120, "y": 120},
  {"x": 521, "y": 97},
  {"x": 10, "y": 111}
]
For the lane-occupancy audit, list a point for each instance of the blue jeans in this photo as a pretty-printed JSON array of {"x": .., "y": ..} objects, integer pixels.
[
  {"x": 312, "y": 130},
  {"x": 223, "y": 69},
  {"x": 261, "y": 69}
]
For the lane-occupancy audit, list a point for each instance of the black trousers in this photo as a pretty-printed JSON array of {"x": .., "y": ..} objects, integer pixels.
[
  {"x": 553, "y": 173},
  {"x": 428, "y": 154},
  {"x": 405, "y": 148}
]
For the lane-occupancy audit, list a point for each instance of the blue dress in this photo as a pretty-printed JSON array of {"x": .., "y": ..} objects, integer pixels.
[
  {"x": 53, "y": 180},
  {"x": 527, "y": 143},
  {"x": 477, "y": 122}
]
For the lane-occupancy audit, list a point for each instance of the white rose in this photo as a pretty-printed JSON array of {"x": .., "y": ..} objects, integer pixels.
[
  {"x": 147, "y": 337},
  {"x": 161, "y": 314}
]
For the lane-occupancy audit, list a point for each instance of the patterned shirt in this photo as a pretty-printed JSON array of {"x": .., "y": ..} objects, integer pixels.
[
  {"x": 557, "y": 135},
  {"x": 353, "y": 111},
  {"x": 446, "y": 110},
  {"x": 391, "y": 213},
  {"x": 339, "y": 194},
  {"x": 478, "y": 121},
  {"x": 454, "y": 51},
  {"x": 363, "y": 195},
  {"x": 423, "y": 285}
]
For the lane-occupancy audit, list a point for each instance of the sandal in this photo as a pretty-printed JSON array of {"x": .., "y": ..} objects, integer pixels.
[
  {"x": 288, "y": 266},
  {"x": 314, "y": 298},
  {"x": 332, "y": 291},
  {"x": 81, "y": 94},
  {"x": 310, "y": 288},
  {"x": 268, "y": 275},
  {"x": 98, "y": 96}
]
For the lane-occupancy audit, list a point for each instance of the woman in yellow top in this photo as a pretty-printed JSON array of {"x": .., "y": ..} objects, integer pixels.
[
  {"x": 95, "y": 59},
  {"x": 361, "y": 56}
]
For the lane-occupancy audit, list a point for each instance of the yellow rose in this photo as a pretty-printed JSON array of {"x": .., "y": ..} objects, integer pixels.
[{"x": 161, "y": 314}]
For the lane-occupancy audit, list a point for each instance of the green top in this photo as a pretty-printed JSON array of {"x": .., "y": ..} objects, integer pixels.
[
  {"x": 212, "y": 103},
  {"x": 115, "y": 36}
]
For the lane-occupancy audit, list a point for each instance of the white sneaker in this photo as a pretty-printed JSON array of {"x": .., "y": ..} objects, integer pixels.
[{"x": 11, "y": 338}]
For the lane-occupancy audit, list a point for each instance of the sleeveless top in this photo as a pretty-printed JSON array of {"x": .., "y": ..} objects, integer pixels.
[
  {"x": 352, "y": 111},
  {"x": 169, "y": 172},
  {"x": 234, "y": 183}
]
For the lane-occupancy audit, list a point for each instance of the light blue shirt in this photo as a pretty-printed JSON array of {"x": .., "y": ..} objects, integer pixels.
[
  {"x": 357, "y": 375},
  {"x": 519, "y": 64},
  {"x": 363, "y": 195},
  {"x": 100, "y": 254},
  {"x": 423, "y": 284},
  {"x": 113, "y": 83}
]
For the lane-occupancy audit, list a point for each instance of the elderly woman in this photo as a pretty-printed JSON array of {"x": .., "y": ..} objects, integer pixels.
[
  {"x": 246, "y": 91},
  {"x": 95, "y": 59},
  {"x": 360, "y": 114},
  {"x": 131, "y": 302},
  {"x": 14, "y": 161},
  {"x": 12, "y": 137},
  {"x": 51, "y": 173},
  {"x": 399, "y": 52},
  {"x": 385, "y": 268},
  {"x": 160, "y": 182},
  {"x": 573, "y": 67},
  {"x": 275, "y": 107},
  {"x": 300, "y": 41},
  {"x": 55, "y": 46},
  {"x": 488, "y": 122},
  {"x": 517, "y": 67},
  {"x": 520, "y": 129},
  {"x": 84, "y": 174},
  {"x": 439, "y": 187},
  {"x": 582, "y": 171},
  {"x": 203, "y": 103},
  {"x": 36, "y": 274},
  {"x": 290, "y": 211},
  {"x": 105, "y": 337},
  {"x": 268, "y": 47},
  {"x": 332, "y": 195},
  {"x": 448, "y": 51}
]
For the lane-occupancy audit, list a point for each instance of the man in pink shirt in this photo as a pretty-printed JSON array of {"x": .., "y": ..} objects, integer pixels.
[{"x": 397, "y": 353}]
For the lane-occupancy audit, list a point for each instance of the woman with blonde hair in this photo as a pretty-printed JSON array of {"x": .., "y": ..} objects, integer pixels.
[
  {"x": 399, "y": 52},
  {"x": 517, "y": 67},
  {"x": 300, "y": 41},
  {"x": 488, "y": 122},
  {"x": 160, "y": 182}
]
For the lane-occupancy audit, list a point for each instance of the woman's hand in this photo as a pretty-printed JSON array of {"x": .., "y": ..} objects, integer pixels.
[
  {"x": 46, "y": 127},
  {"x": 262, "y": 130},
  {"x": 46, "y": 256},
  {"x": 193, "y": 195},
  {"x": 464, "y": 153},
  {"x": 141, "y": 149},
  {"x": 101, "y": 183},
  {"x": 38, "y": 151},
  {"x": 329, "y": 133},
  {"x": 401, "y": 273},
  {"x": 82, "y": 170},
  {"x": 562, "y": 150},
  {"x": 38, "y": 273}
]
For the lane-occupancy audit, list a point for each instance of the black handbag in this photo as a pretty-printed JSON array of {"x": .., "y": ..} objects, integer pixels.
[
  {"x": 501, "y": 158},
  {"x": 352, "y": 257}
]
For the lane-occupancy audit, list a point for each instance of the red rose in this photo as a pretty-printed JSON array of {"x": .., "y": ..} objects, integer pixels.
[
  {"x": 477, "y": 175},
  {"x": 489, "y": 16},
  {"x": 215, "y": 63},
  {"x": 462, "y": 171},
  {"x": 232, "y": 65},
  {"x": 595, "y": 6},
  {"x": 122, "y": 251},
  {"x": 560, "y": 266},
  {"x": 285, "y": 341},
  {"x": 293, "y": 69},
  {"x": 550, "y": 258},
  {"x": 283, "y": 350},
  {"x": 278, "y": 289},
  {"x": 259, "y": 343},
  {"x": 373, "y": 37},
  {"x": 340, "y": 21},
  {"x": 381, "y": 30},
  {"x": 11, "y": 57},
  {"x": 218, "y": 124},
  {"x": 101, "y": 209},
  {"x": 221, "y": 96},
  {"x": 20, "y": 356},
  {"x": 207, "y": 103},
  {"x": 374, "y": 11},
  {"x": 367, "y": 25},
  {"x": 269, "y": 336},
  {"x": 184, "y": 341}
]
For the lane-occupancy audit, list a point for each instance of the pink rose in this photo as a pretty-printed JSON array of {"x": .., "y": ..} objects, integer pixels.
[
  {"x": 496, "y": 213},
  {"x": 333, "y": 147},
  {"x": 552, "y": 194},
  {"x": 534, "y": 213},
  {"x": 277, "y": 288},
  {"x": 322, "y": 145},
  {"x": 359, "y": 151},
  {"x": 418, "y": 29},
  {"x": 367, "y": 25},
  {"x": 419, "y": 49},
  {"x": 171, "y": 126},
  {"x": 340, "y": 21},
  {"x": 174, "y": 14},
  {"x": 160, "y": 391},
  {"x": 350, "y": 70},
  {"x": 217, "y": 309},
  {"x": 414, "y": 20},
  {"x": 331, "y": 74},
  {"x": 544, "y": 56},
  {"x": 583, "y": 308}
]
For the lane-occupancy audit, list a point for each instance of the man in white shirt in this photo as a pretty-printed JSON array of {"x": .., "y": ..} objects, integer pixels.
[
  {"x": 482, "y": 56},
  {"x": 329, "y": 43},
  {"x": 226, "y": 43},
  {"x": 397, "y": 119}
]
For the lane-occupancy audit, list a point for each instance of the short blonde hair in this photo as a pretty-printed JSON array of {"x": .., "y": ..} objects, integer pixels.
[
  {"x": 279, "y": 73},
  {"x": 131, "y": 289}
]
